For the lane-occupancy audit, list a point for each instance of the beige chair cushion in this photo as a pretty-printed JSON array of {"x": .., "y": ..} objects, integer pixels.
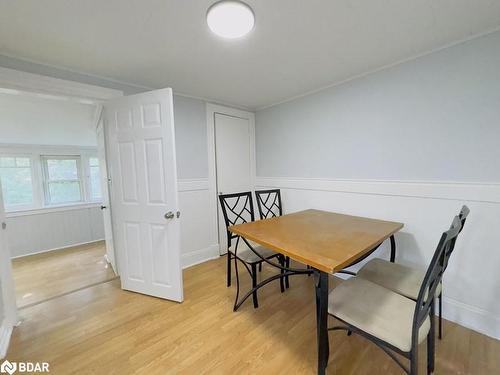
[
  {"x": 377, "y": 311},
  {"x": 248, "y": 256},
  {"x": 401, "y": 279}
]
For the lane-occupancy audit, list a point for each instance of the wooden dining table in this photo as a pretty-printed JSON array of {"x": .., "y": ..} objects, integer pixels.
[{"x": 328, "y": 242}]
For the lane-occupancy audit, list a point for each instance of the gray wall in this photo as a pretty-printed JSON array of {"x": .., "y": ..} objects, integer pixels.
[
  {"x": 191, "y": 137},
  {"x": 434, "y": 118}
]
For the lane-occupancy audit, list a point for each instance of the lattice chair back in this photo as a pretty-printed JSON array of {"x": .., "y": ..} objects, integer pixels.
[
  {"x": 237, "y": 208},
  {"x": 269, "y": 203},
  {"x": 434, "y": 274},
  {"x": 462, "y": 216}
]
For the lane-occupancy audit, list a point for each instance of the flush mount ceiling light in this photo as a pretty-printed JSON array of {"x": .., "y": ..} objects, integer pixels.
[{"x": 230, "y": 19}]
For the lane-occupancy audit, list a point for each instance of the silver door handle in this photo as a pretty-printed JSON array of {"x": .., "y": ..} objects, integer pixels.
[{"x": 169, "y": 215}]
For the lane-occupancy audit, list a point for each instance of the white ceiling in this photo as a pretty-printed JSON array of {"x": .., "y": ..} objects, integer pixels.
[{"x": 296, "y": 46}]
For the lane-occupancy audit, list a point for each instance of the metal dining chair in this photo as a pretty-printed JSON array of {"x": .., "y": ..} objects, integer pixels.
[
  {"x": 269, "y": 205},
  {"x": 394, "y": 323},
  {"x": 406, "y": 280},
  {"x": 238, "y": 208}
]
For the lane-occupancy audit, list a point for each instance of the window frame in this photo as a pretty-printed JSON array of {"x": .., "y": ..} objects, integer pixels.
[
  {"x": 35, "y": 153},
  {"x": 34, "y": 190},
  {"x": 46, "y": 181},
  {"x": 88, "y": 167}
]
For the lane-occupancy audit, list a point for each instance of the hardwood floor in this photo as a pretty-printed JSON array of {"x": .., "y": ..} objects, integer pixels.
[
  {"x": 42, "y": 276},
  {"x": 104, "y": 330}
]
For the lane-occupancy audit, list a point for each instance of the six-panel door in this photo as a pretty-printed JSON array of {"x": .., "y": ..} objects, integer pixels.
[{"x": 141, "y": 157}]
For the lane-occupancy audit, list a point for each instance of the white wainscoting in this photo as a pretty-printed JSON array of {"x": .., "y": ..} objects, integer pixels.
[
  {"x": 472, "y": 280},
  {"x": 39, "y": 231},
  {"x": 198, "y": 241}
]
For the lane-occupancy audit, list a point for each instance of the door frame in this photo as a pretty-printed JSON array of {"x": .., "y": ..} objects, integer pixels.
[
  {"x": 110, "y": 255},
  {"x": 212, "y": 110},
  {"x": 35, "y": 84}
]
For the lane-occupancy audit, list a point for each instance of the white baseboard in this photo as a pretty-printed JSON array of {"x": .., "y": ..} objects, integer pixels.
[
  {"x": 471, "y": 317},
  {"x": 199, "y": 256},
  {"x": 58, "y": 248},
  {"x": 5, "y": 333}
]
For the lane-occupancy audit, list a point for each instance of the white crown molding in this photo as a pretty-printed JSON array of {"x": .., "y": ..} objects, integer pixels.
[
  {"x": 74, "y": 71},
  {"x": 20, "y": 82}
]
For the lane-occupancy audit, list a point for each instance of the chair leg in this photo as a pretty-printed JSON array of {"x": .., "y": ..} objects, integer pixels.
[
  {"x": 228, "y": 268},
  {"x": 260, "y": 267},
  {"x": 287, "y": 264},
  {"x": 414, "y": 361},
  {"x": 431, "y": 338},
  {"x": 254, "y": 284},
  {"x": 441, "y": 316},
  {"x": 282, "y": 264}
]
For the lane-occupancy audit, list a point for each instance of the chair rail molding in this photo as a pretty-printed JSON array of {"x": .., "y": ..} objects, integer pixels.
[{"x": 486, "y": 192}]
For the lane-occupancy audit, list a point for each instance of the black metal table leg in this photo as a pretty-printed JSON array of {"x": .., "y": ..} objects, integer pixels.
[
  {"x": 393, "y": 249},
  {"x": 322, "y": 320}
]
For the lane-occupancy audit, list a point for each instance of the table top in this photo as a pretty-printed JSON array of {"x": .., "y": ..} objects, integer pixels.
[{"x": 327, "y": 241}]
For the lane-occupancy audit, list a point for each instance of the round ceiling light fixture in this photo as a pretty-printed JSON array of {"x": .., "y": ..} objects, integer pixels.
[{"x": 230, "y": 19}]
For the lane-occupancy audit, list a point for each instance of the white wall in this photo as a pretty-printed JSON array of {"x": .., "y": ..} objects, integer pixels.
[
  {"x": 36, "y": 232},
  {"x": 34, "y": 120},
  {"x": 198, "y": 242},
  {"x": 411, "y": 143}
]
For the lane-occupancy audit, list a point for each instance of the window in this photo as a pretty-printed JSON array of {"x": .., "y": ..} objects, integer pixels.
[
  {"x": 62, "y": 179},
  {"x": 17, "y": 184},
  {"x": 95, "y": 179}
]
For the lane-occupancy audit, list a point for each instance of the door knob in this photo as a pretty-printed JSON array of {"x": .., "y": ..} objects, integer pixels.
[{"x": 169, "y": 215}]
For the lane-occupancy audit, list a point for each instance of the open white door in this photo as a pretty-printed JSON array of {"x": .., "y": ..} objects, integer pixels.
[
  {"x": 144, "y": 205},
  {"x": 105, "y": 206}
]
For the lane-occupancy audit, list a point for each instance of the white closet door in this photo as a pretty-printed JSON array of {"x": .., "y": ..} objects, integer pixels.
[{"x": 234, "y": 161}]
